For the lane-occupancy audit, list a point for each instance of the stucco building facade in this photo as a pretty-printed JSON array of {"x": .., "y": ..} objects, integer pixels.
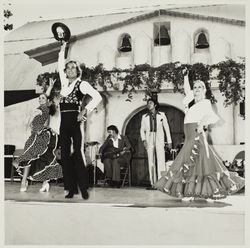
[{"x": 97, "y": 39}]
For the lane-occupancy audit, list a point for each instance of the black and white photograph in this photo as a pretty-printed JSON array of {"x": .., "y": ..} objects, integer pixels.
[{"x": 124, "y": 123}]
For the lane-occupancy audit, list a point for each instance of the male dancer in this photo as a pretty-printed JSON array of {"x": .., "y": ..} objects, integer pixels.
[{"x": 72, "y": 92}]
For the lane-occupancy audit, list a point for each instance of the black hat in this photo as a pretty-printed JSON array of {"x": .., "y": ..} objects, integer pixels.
[{"x": 66, "y": 30}]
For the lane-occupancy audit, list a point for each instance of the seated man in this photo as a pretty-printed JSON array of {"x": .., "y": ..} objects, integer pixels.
[{"x": 114, "y": 152}]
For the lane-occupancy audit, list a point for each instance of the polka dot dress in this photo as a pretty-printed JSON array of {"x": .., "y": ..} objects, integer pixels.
[{"x": 39, "y": 151}]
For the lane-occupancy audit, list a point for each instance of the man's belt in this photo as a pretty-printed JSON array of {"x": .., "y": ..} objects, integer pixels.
[
  {"x": 69, "y": 110},
  {"x": 68, "y": 107}
]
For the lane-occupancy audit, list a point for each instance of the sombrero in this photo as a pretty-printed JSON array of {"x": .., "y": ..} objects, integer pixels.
[{"x": 66, "y": 30}]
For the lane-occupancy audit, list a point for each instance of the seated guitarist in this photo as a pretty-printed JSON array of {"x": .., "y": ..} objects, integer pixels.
[{"x": 115, "y": 152}]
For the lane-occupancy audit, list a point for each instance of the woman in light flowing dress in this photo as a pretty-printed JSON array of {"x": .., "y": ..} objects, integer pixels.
[{"x": 197, "y": 171}]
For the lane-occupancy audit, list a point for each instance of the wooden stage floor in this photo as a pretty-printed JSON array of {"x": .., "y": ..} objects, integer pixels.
[
  {"x": 125, "y": 216},
  {"x": 132, "y": 196}
]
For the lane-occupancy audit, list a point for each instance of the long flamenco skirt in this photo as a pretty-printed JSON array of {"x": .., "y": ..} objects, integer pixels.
[
  {"x": 39, "y": 155},
  {"x": 198, "y": 172}
]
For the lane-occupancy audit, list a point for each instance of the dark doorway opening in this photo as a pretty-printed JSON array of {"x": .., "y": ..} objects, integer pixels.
[{"x": 139, "y": 166}]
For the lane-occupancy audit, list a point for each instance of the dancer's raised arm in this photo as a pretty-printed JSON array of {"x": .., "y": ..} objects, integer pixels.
[
  {"x": 61, "y": 64},
  {"x": 187, "y": 89}
]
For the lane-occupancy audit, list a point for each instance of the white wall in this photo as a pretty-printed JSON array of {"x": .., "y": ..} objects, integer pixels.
[
  {"x": 87, "y": 50},
  {"x": 230, "y": 129},
  {"x": 16, "y": 130},
  {"x": 228, "y": 152},
  {"x": 119, "y": 111},
  {"x": 96, "y": 122}
]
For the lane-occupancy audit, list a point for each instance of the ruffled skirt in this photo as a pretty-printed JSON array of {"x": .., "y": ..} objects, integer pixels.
[
  {"x": 39, "y": 155},
  {"x": 197, "y": 171}
]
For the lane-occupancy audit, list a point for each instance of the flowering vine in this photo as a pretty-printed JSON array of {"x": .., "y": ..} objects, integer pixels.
[{"x": 230, "y": 76}]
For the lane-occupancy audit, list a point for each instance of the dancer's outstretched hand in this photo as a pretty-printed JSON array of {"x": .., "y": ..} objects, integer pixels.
[{"x": 51, "y": 82}]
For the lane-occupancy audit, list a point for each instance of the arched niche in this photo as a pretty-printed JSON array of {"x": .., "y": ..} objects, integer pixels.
[
  {"x": 124, "y": 43},
  {"x": 201, "y": 47},
  {"x": 201, "y": 41},
  {"x": 124, "y": 57}
]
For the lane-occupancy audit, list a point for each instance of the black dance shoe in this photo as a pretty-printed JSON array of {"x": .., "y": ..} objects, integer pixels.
[
  {"x": 76, "y": 192},
  {"x": 70, "y": 194},
  {"x": 85, "y": 194}
]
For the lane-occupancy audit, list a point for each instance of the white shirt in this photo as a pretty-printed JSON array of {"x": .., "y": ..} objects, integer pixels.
[
  {"x": 115, "y": 142},
  {"x": 85, "y": 87},
  {"x": 201, "y": 110}
]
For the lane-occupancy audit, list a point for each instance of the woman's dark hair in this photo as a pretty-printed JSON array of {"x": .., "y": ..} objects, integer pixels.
[
  {"x": 114, "y": 128},
  {"x": 77, "y": 67},
  {"x": 51, "y": 105},
  {"x": 52, "y": 108}
]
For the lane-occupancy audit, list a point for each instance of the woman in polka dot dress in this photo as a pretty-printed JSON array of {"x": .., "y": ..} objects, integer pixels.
[{"x": 38, "y": 161}]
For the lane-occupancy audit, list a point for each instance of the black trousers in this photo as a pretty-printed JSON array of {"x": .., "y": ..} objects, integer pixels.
[{"x": 74, "y": 170}]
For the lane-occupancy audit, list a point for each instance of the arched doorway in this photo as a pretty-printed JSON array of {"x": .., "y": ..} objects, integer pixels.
[{"x": 139, "y": 161}]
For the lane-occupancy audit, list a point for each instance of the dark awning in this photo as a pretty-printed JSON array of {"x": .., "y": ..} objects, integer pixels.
[
  {"x": 17, "y": 96},
  {"x": 47, "y": 54}
]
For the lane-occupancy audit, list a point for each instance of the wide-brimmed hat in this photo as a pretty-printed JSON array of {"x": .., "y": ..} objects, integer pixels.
[{"x": 66, "y": 30}]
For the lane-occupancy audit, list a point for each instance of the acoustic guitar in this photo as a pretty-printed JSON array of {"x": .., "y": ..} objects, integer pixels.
[{"x": 114, "y": 154}]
